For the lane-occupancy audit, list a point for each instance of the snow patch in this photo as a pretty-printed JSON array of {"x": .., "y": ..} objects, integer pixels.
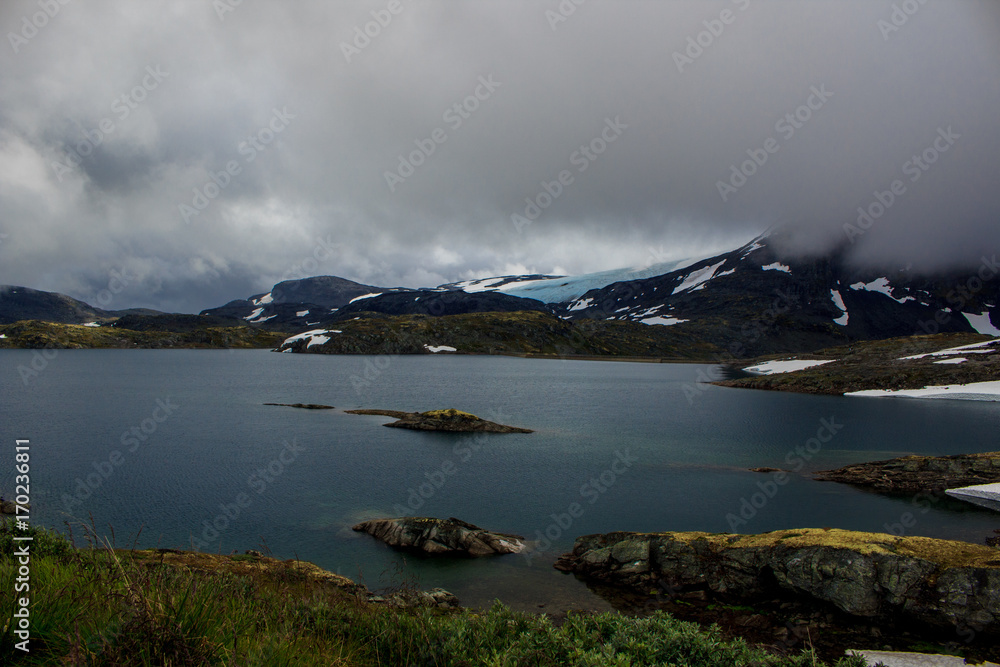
[
  {"x": 301, "y": 313},
  {"x": 254, "y": 314},
  {"x": 666, "y": 321},
  {"x": 719, "y": 275},
  {"x": 263, "y": 319},
  {"x": 697, "y": 279},
  {"x": 482, "y": 285},
  {"x": 838, "y": 301},
  {"x": 981, "y": 323},
  {"x": 315, "y": 337},
  {"x": 581, "y": 305},
  {"x": 364, "y": 296},
  {"x": 882, "y": 286},
  {"x": 984, "y": 495},
  {"x": 956, "y": 360},
  {"x": 974, "y": 391},
  {"x": 91, "y": 324},
  {"x": 785, "y": 366},
  {"x": 777, "y": 266},
  {"x": 757, "y": 245},
  {"x": 264, "y": 300},
  {"x": 439, "y": 348},
  {"x": 973, "y": 348}
]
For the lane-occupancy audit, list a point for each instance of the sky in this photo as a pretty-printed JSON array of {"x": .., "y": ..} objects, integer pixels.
[{"x": 177, "y": 155}]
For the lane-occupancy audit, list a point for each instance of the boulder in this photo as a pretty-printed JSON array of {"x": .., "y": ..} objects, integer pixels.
[
  {"x": 939, "y": 583},
  {"x": 440, "y": 536}
]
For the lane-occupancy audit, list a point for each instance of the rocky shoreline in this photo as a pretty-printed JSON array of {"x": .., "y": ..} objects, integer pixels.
[
  {"x": 918, "y": 474},
  {"x": 889, "y": 583}
]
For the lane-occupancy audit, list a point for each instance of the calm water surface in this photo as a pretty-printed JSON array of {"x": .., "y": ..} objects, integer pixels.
[{"x": 304, "y": 477}]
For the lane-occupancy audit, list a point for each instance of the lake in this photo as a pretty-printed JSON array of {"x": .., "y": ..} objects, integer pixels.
[{"x": 170, "y": 448}]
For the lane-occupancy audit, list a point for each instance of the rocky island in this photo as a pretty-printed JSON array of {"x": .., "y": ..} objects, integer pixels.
[
  {"x": 441, "y": 536},
  {"x": 442, "y": 420}
]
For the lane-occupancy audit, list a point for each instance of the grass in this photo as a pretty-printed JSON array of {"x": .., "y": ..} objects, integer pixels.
[{"x": 100, "y": 606}]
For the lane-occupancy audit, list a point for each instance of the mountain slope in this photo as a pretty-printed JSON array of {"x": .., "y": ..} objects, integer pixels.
[
  {"x": 755, "y": 301},
  {"x": 23, "y": 303}
]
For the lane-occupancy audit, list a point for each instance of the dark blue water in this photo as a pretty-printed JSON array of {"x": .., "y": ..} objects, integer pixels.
[{"x": 299, "y": 479}]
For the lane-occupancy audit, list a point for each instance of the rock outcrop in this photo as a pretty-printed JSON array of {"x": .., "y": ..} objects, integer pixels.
[
  {"x": 916, "y": 474},
  {"x": 919, "y": 580},
  {"x": 440, "y": 536},
  {"x": 442, "y": 420}
]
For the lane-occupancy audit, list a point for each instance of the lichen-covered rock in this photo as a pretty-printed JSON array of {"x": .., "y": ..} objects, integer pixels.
[
  {"x": 872, "y": 575},
  {"x": 441, "y": 536}
]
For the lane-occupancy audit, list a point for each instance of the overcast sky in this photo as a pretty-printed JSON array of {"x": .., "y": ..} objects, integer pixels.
[{"x": 309, "y": 114}]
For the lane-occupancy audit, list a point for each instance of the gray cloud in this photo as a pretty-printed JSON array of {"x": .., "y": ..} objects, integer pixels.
[{"x": 318, "y": 187}]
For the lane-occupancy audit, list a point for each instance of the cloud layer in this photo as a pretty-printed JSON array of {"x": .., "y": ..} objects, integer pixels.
[{"x": 208, "y": 150}]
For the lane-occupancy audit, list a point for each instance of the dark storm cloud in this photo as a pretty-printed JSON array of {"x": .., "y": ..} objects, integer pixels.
[{"x": 678, "y": 128}]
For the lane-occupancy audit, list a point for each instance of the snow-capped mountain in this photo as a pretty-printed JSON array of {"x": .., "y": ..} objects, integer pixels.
[
  {"x": 563, "y": 289},
  {"x": 753, "y": 294}
]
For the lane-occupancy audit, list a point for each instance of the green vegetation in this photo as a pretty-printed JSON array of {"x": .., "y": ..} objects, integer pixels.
[
  {"x": 519, "y": 332},
  {"x": 34, "y": 334},
  {"x": 113, "y": 607},
  {"x": 879, "y": 364}
]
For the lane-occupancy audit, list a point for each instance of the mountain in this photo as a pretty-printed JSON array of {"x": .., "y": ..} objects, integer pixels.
[
  {"x": 751, "y": 301},
  {"x": 23, "y": 303},
  {"x": 755, "y": 300}
]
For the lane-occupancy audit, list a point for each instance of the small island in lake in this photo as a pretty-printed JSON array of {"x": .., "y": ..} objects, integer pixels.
[{"x": 442, "y": 420}]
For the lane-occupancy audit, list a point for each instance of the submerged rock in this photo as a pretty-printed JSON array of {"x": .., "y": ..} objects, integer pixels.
[
  {"x": 442, "y": 420},
  {"x": 440, "y": 536},
  {"x": 939, "y": 583},
  {"x": 304, "y": 406},
  {"x": 916, "y": 474}
]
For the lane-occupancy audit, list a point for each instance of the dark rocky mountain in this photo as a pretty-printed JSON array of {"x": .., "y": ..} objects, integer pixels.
[
  {"x": 436, "y": 304},
  {"x": 754, "y": 301},
  {"x": 23, "y": 303}
]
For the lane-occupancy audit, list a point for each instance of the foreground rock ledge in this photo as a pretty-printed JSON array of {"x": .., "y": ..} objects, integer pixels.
[
  {"x": 442, "y": 420},
  {"x": 440, "y": 536},
  {"x": 916, "y": 474},
  {"x": 939, "y": 583}
]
